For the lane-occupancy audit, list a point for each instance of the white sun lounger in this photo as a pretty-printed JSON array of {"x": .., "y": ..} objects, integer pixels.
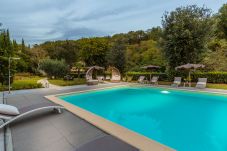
[
  {"x": 100, "y": 79},
  {"x": 9, "y": 118},
  {"x": 154, "y": 80},
  {"x": 176, "y": 82},
  {"x": 202, "y": 82},
  {"x": 141, "y": 79}
]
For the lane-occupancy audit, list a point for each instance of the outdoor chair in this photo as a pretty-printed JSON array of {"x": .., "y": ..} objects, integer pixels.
[
  {"x": 176, "y": 82},
  {"x": 91, "y": 81},
  {"x": 68, "y": 78},
  {"x": 142, "y": 80},
  {"x": 202, "y": 82},
  {"x": 100, "y": 79},
  {"x": 154, "y": 80},
  {"x": 107, "y": 77},
  {"x": 11, "y": 113},
  {"x": 115, "y": 78}
]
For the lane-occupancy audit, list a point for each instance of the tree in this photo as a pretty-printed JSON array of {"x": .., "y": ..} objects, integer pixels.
[
  {"x": 93, "y": 51},
  {"x": 146, "y": 53},
  {"x": 54, "y": 68},
  {"x": 6, "y": 51},
  {"x": 216, "y": 58},
  {"x": 23, "y": 46},
  {"x": 37, "y": 54},
  {"x": 67, "y": 50},
  {"x": 116, "y": 56},
  {"x": 154, "y": 33},
  {"x": 79, "y": 65},
  {"x": 185, "y": 33},
  {"x": 135, "y": 37},
  {"x": 222, "y": 21}
]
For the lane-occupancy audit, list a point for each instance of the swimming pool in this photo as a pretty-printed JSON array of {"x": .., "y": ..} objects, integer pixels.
[{"x": 183, "y": 120}]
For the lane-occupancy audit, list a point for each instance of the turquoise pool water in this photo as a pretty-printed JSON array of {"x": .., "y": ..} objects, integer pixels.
[{"x": 185, "y": 121}]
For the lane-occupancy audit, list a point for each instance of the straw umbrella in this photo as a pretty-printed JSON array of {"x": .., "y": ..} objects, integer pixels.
[
  {"x": 190, "y": 67},
  {"x": 150, "y": 67}
]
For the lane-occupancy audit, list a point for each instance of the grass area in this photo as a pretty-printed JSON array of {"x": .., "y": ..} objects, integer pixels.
[
  {"x": 61, "y": 82},
  {"x": 27, "y": 82},
  {"x": 217, "y": 86}
]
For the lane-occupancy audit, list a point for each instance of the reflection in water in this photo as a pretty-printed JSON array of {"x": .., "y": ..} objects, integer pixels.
[{"x": 165, "y": 92}]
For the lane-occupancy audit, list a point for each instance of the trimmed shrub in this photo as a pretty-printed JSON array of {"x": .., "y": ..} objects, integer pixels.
[
  {"x": 212, "y": 77},
  {"x": 54, "y": 68}
]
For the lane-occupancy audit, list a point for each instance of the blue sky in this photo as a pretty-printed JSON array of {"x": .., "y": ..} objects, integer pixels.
[{"x": 42, "y": 20}]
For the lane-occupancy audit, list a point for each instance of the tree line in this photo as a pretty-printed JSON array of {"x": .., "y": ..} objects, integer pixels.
[{"x": 189, "y": 34}]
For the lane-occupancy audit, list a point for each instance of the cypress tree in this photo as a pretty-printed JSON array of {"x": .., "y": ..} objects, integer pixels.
[{"x": 22, "y": 46}]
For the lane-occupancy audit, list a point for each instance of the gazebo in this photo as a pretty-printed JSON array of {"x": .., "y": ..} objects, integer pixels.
[
  {"x": 89, "y": 73},
  {"x": 116, "y": 75}
]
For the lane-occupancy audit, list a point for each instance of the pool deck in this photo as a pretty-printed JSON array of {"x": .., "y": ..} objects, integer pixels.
[
  {"x": 56, "y": 132},
  {"x": 46, "y": 131}
]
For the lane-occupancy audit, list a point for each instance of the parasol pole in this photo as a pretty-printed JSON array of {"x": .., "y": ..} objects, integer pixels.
[{"x": 189, "y": 78}]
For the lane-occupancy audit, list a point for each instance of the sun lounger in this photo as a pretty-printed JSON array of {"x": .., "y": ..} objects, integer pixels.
[
  {"x": 107, "y": 77},
  {"x": 91, "y": 81},
  {"x": 106, "y": 143},
  {"x": 115, "y": 78},
  {"x": 176, "y": 82},
  {"x": 154, "y": 80},
  {"x": 141, "y": 79},
  {"x": 100, "y": 79},
  {"x": 10, "y": 113},
  {"x": 202, "y": 82}
]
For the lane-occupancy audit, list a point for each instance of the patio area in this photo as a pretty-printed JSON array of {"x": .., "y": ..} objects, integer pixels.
[{"x": 46, "y": 131}]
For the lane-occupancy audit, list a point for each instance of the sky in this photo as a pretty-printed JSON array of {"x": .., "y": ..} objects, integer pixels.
[{"x": 38, "y": 21}]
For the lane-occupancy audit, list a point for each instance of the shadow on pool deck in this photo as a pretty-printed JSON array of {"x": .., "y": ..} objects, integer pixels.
[{"x": 46, "y": 131}]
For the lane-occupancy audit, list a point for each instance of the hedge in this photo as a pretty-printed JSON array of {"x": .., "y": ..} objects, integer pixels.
[{"x": 212, "y": 77}]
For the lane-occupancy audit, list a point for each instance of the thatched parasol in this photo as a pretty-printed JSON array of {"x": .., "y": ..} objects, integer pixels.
[
  {"x": 190, "y": 67},
  {"x": 150, "y": 67}
]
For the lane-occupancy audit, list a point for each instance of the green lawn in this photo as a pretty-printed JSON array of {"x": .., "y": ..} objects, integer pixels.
[
  {"x": 27, "y": 82},
  {"x": 61, "y": 82},
  {"x": 217, "y": 86}
]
